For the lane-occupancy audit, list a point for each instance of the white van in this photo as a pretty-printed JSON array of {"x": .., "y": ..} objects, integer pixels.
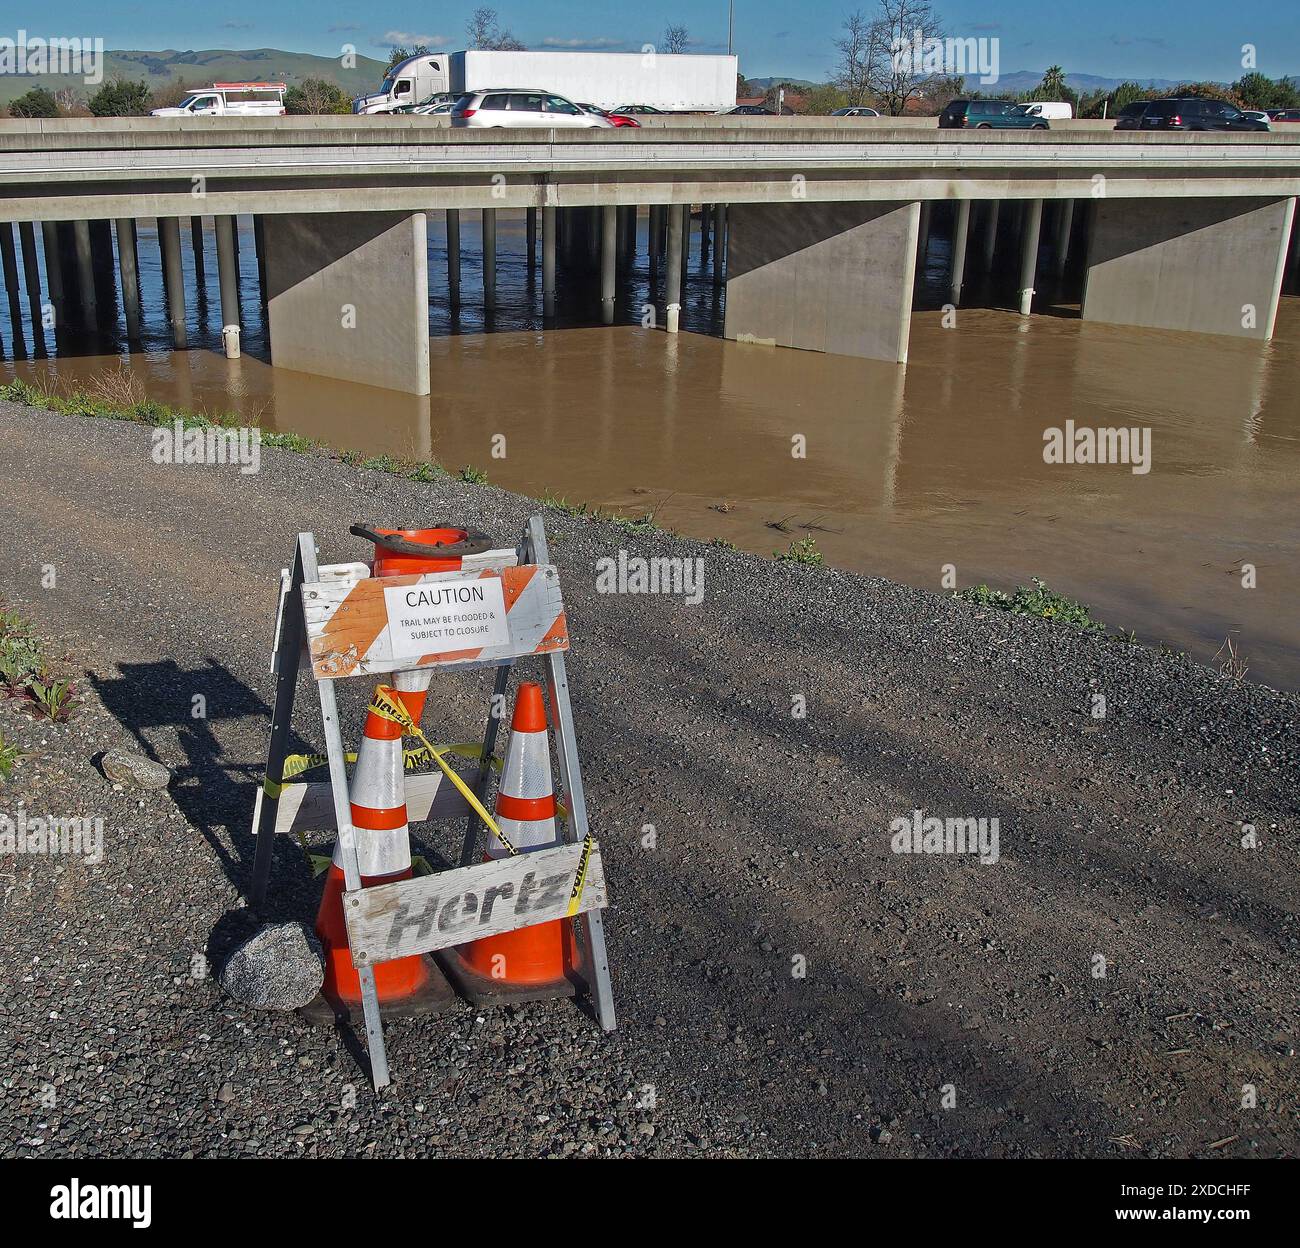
[
  {"x": 1048, "y": 110},
  {"x": 230, "y": 99}
]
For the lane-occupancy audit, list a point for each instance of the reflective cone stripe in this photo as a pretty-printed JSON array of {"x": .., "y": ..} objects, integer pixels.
[{"x": 525, "y": 811}]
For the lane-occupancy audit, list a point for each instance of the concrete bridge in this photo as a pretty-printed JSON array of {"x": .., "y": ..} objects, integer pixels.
[{"x": 814, "y": 228}]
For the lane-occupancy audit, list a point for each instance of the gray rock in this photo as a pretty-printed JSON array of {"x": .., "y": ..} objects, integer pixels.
[
  {"x": 126, "y": 767},
  {"x": 280, "y": 967}
]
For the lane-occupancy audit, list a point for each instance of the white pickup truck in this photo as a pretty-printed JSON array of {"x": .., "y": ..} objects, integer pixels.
[{"x": 230, "y": 99}]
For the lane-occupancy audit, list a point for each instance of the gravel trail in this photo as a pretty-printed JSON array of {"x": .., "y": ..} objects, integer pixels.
[{"x": 786, "y": 985}]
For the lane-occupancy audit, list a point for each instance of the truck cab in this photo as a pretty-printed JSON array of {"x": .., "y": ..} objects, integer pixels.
[{"x": 409, "y": 83}]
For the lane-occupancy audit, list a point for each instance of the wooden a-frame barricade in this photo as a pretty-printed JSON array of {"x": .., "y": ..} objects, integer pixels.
[{"x": 333, "y": 619}]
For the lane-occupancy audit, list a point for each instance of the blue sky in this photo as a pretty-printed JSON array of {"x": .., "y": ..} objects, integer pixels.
[{"x": 1150, "y": 39}]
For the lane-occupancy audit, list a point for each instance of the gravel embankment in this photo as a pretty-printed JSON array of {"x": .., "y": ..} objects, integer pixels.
[{"x": 1119, "y": 839}]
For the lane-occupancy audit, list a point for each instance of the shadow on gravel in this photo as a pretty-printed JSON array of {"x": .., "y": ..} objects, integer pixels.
[{"x": 213, "y": 793}]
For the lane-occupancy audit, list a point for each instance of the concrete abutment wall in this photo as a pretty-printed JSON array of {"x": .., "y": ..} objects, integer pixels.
[
  {"x": 348, "y": 296},
  {"x": 1210, "y": 266},
  {"x": 834, "y": 277}
]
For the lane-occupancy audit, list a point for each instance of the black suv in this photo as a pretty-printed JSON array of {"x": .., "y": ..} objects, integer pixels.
[{"x": 1186, "y": 114}]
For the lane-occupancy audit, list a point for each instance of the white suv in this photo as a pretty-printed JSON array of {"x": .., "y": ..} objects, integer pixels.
[{"x": 515, "y": 107}]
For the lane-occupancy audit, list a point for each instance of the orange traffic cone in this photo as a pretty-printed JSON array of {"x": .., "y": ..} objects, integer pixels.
[
  {"x": 378, "y": 802},
  {"x": 530, "y": 963}
]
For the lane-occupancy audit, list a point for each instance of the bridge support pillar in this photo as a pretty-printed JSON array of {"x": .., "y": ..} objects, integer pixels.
[
  {"x": 991, "y": 233},
  {"x": 609, "y": 239},
  {"x": 960, "y": 236},
  {"x": 1064, "y": 226},
  {"x": 196, "y": 244},
  {"x": 9, "y": 255},
  {"x": 548, "y": 262},
  {"x": 719, "y": 242},
  {"x": 833, "y": 277},
  {"x": 674, "y": 265},
  {"x": 453, "y": 257},
  {"x": 348, "y": 296},
  {"x": 1209, "y": 266},
  {"x": 129, "y": 275},
  {"x": 489, "y": 259},
  {"x": 227, "y": 270},
  {"x": 1031, "y": 231},
  {"x": 169, "y": 240},
  {"x": 53, "y": 268},
  {"x": 86, "y": 273},
  {"x": 530, "y": 237},
  {"x": 656, "y": 229},
  {"x": 32, "y": 280}
]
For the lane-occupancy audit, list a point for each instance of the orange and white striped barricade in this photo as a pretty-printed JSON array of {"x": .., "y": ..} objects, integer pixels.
[{"x": 501, "y": 607}]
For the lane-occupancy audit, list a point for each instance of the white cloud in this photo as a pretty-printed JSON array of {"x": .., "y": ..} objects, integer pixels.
[{"x": 406, "y": 37}]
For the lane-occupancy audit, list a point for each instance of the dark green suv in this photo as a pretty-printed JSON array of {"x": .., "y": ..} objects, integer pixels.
[{"x": 988, "y": 115}]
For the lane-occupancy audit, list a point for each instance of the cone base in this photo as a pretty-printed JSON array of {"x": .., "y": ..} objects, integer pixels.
[
  {"x": 435, "y": 996},
  {"x": 482, "y": 990}
]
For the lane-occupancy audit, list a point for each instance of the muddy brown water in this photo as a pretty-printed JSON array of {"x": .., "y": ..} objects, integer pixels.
[{"x": 906, "y": 470}]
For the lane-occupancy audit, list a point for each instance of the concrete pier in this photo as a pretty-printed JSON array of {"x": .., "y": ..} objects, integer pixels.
[
  {"x": 608, "y": 261},
  {"x": 348, "y": 296},
  {"x": 32, "y": 278},
  {"x": 453, "y": 256},
  {"x": 991, "y": 233},
  {"x": 53, "y": 267},
  {"x": 169, "y": 241},
  {"x": 9, "y": 262},
  {"x": 655, "y": 241},
  {"x": 259, "y": 245},
  {"x": 833, "y": 277},
  {"x": 1210, "y": 266},
  {"x": 1064, "y": 227},
  {"x": 227, "y": 270},
  {"x": 129, "y": 276},
  {"x": 489, "y": 259},
  {"x": 673, "y": 265},
  {"x": 960, "y": 237},
  {"x": 548, "y": 262},
  {"x": 89, "y": 311},
  {"x": 719, "y": 243},
  {"x": 196, "y": 245},
  {"x": 1030, "y": 232},
  {"x": 530, "y": 235}
]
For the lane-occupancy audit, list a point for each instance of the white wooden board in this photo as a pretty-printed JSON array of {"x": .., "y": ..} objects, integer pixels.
[
  {"x": 468, "y": 903},
  {"x": 310, "y": 807}
]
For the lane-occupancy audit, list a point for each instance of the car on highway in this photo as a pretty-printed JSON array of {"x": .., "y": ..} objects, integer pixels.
[
  {"x": 618, "y": 119},
  {"x": 1186, "y": 114},
  {"x": 989, "y": 115},
  {"x": 515, "y": 107},
  {"x": 745, "y": 110},
  {"x": 855, "y": 112},
  {"x": 639, "y": 110},
  {"x": 1284, "y": 114}
]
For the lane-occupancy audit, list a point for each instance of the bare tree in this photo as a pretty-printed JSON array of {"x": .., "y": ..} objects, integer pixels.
[
  {"x": 484, "y": 31},
  {"x": 896, "y": 78},
  {"x": 855, "y": 49},
  {"x": 676, "y": 38}
]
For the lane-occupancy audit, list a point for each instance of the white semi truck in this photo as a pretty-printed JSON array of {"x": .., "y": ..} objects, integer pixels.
[{"x": 669, "y": 82}]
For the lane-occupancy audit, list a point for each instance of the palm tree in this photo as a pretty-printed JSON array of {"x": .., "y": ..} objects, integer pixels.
[{"x": 1054, "y": 81}]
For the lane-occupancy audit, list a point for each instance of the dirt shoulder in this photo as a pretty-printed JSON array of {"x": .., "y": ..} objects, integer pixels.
[{"x": 945, "y": 1007}]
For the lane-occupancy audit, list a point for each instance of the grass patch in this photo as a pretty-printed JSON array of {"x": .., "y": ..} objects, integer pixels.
[
  {"x": 802, "y": 550},
  {"x": 25, "y": 673},
  {"x": 472, "y": 475},
  {"x": 1039, "y": 601},
  {"x": 10, "y": 757}
]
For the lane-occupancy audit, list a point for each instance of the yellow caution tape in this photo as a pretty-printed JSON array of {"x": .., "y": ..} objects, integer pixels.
[{"x": 388, "y": 707}]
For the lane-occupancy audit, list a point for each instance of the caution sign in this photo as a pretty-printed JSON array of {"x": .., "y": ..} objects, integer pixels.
[{"x": 446, "y": 615}]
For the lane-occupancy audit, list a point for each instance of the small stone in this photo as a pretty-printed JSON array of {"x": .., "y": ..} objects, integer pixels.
[
  {"x": 280, "y": 967},
  {"x": 128, "y": 768},
  {"x": 225, "y": 1093},
  {"x": 646, "y": 1128}
]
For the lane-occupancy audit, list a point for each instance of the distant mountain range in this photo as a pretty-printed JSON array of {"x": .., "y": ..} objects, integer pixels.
[{"x": 202, "y": 68}]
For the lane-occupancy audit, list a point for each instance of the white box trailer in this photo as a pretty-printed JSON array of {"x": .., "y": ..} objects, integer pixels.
[{"x": 672, "y": 82}]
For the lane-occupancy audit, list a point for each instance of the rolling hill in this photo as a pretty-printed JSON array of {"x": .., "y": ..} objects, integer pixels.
[{"x": 201, "y": 68}]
